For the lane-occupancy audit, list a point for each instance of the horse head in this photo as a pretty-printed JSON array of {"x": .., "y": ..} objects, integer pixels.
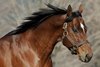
[{"x": 75, "y": 35}]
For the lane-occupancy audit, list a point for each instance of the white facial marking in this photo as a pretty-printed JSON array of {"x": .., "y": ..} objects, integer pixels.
[{"x": 82, "y": 26}]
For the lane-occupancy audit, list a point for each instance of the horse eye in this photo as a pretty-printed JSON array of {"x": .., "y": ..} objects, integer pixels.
[{"x": 74, "y": 29}]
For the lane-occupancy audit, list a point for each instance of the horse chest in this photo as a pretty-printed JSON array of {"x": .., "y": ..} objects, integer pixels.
[{"x": 19, "y": 57}]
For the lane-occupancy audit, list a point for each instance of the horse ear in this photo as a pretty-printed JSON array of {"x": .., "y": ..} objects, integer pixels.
[
  {"x": 81, "y": 8},
  {"x": 69, "y": 10}
]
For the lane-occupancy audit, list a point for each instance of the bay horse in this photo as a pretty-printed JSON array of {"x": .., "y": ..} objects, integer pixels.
[{"x": 31, "y": 43}]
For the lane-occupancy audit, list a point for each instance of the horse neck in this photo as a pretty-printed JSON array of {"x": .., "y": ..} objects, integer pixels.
[{"x": 44, "y": 37}]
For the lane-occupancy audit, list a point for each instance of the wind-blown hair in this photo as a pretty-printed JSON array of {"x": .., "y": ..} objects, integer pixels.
[{"x": 37, "y": 18}]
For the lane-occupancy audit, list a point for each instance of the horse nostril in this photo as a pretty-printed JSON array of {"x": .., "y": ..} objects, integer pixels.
[{"x": 88, "y": 58}]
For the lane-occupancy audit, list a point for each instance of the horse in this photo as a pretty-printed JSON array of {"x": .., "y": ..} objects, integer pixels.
[{"x": 32, "y": 42}]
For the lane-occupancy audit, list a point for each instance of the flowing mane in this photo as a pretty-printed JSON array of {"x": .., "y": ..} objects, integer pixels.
[{"x": 37, "y": 18}]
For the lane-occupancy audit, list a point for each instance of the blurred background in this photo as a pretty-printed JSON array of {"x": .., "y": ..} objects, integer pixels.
[{"x": 12, "y": 13}]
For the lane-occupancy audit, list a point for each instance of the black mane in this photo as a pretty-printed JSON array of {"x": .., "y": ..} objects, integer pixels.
[{"x": 37, "y": 18}]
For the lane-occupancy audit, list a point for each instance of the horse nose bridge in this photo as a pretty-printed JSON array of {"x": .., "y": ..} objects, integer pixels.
[
  {"x": 80, "y": 38},
  {"x": 85, "y": 47}
]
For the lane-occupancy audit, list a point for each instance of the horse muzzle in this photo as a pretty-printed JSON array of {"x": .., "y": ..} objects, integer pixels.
[
  {"x": 85, "y": 53},
  {"x": 85, "y": 58}
]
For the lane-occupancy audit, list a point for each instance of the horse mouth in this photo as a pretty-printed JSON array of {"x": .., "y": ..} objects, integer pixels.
[{"x": 85, "y": 59}]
